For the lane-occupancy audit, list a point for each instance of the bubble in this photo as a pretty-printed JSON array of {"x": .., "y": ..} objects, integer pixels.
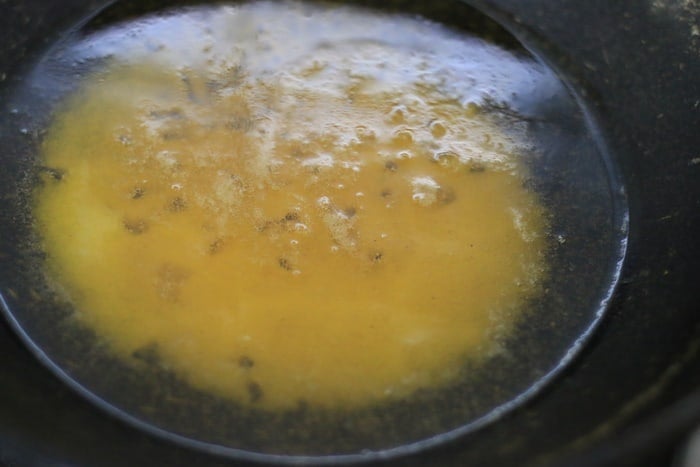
[
  {"x": 421, "y": 198},
  {"x": 365, "y": 134},
  {"x": 403, "y": 138},
  {"x": 354, "y": 166},
  {"x": 471, "y": 108},
  {"x": 125, "y": 140},
  {"x": 447, "y": 159},
  {"x": 397, "y": 115},
  {"x": 437, "y": 129}
]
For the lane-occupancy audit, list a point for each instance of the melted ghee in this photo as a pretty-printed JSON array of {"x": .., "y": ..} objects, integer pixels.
[{"x": 324, "y": 232}]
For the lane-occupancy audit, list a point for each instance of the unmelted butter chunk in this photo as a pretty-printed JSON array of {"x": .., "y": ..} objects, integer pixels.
[{"x": 310, "y": 233}]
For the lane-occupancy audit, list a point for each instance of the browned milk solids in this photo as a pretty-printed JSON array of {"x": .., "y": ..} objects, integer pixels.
[{"x": 289, "y": 218}]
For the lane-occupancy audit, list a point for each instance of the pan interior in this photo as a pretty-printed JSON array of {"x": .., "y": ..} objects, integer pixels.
[{"x": 561, "y": 162}]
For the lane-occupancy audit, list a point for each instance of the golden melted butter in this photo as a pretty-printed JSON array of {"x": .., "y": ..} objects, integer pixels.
[{"x": 312, "y": 234}]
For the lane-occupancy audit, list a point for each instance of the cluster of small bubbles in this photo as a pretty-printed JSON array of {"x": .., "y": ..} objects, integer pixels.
[
  {"x": 124, "y": 139},
  {"x": 425, "y": 190},
  {"x": 340, "y": 223},
  {"x": 351, "y": 165}
]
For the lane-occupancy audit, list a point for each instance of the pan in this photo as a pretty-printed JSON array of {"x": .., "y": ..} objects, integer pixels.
[{"x": 609, "y": 382}]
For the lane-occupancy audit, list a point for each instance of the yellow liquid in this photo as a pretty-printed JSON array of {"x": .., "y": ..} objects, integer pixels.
[{"x": 306, "y": 235}]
